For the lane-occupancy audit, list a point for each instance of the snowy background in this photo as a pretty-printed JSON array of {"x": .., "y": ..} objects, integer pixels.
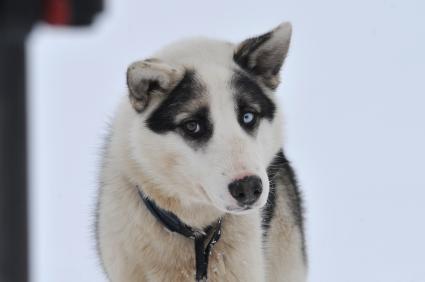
[{"x": 353, "y": 91}]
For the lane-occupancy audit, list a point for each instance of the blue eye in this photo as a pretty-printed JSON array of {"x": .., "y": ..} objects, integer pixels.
[{"x": 248, "y": 117}]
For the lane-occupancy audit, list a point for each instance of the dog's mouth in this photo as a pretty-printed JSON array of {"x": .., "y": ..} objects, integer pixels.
[
  {"x": 244, "y": 208},
  {"x": 241, "y": 209}
]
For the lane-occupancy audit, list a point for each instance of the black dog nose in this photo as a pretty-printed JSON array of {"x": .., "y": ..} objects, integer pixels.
[{"x": 246, "y": 190}]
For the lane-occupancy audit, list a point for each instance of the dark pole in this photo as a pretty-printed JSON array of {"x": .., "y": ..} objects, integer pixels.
[
  {"x": 16, "y": 19},
  {"x": 13, "y": 161}
]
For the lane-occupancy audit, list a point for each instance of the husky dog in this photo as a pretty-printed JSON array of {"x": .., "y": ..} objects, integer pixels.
[{"x": 194, "y": 181}]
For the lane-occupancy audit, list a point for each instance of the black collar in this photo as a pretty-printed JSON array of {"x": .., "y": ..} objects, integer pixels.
[{"x": 174, "y": 224}]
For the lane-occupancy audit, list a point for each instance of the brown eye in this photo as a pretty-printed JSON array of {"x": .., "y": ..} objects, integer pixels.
[{"x": 192, "y": 127}]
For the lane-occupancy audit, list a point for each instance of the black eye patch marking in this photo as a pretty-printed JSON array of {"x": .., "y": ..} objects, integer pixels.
[
  {"x": 250, "y": 99},
  {"x": 186, "y": 98},
  {"x": 197, "y": 128}
]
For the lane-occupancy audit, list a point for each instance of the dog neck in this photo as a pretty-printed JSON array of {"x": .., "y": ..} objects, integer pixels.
[
  {"x": 196, "y": 215},
  {"x": 204, "y": 240}
]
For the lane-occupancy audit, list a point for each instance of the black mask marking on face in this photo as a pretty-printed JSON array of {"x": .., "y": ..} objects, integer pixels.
[
  {"x": 197, "y": 127},
  {"x": 252, "y": 104}
]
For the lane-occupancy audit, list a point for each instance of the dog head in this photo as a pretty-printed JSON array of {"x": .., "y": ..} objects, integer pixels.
[{"x": 207, "y": 126}]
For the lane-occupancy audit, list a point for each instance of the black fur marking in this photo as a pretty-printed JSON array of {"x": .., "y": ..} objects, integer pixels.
[
  {"x": 263, "y": 57},
  {"x": 280, "y": 170},
  {"x": 268, "y": 211},
  {"x": 250, "y": 97},
  {"x": 162, "y": 120},
  {"x": 206, "y": 129},
  {"x": 243, "y": 55}
]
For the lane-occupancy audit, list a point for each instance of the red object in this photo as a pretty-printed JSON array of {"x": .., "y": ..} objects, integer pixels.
[{"x": 57, "y": 12}]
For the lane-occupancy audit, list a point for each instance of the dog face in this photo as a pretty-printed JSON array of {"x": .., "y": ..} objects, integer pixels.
[{"x": 207, "y": 126}]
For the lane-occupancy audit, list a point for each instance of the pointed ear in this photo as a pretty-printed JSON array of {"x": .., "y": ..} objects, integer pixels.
[
  {"x": 264, "y": 55},
  {"x": 149, "y": 78}
]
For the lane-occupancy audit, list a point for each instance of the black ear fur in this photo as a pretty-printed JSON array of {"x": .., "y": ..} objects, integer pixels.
[{"x": 264, "y": 55}]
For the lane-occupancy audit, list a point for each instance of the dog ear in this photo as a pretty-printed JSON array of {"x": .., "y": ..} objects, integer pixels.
[
  {"x": 149, "y": 78},
  {"x": 264, "y": 55}
]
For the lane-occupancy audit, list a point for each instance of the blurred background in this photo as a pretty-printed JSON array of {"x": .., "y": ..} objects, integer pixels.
[{"x": 353, "y": 93}]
